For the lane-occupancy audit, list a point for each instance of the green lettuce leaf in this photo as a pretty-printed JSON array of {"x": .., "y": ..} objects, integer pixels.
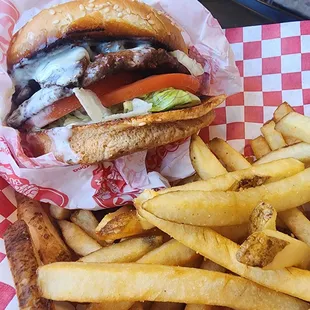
[{"x": 170, "y": 98}]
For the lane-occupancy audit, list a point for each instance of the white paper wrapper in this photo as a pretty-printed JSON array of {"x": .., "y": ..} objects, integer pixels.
[{"x": 113, "y": 183}]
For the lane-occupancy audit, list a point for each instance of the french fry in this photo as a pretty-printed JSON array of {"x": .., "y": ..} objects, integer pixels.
[
  {"x": 236, "y": 180},
  {"x": 229, "y": 208},
  {"x": 295, "y": 125},
  {"x": 260, "y": 147},
  {"x": 271, "y": 249},
  {"x": 24, "y": 263},
  {"x": 59, "y": 213},
  {"x": 126, "y": 224},
  {"x": 211, "y": 266},
  {"x": 282, "y": 110},
  {"x": 77, "y": 239},
  {"x": 274, "y": 138},
  {"x": 86, "y": 220},
  {"x": 203, "y": 160},
  {"x": 232, "y": 159},
  {"x": 263, "y": 217},
  {"x": 99, "y": 282},
  {"x": 124, "y": 252},
  {"x": 171, "y": 253},
  {"x": 300, "y": 151},
  {"x": 291, "y": 281},
  {"x": 46, "y": 239},
  {"x": 298, "y": 224},
  {"x": 108, "y": 217}
]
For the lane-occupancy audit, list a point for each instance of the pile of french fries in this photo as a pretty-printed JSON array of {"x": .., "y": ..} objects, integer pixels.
[{"x": 234, "y": 235}]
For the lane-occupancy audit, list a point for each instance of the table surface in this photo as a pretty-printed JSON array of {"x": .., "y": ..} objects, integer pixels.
[{"x": 232, "y": 13}]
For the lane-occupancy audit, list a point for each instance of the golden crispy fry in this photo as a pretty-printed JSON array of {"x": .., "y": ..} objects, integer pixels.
[
  {"x": 260, "y": 147},
  {"x": 232, "y": 159},
  {"x": 274, "y": 138},
  {"x": 23, "y": 263},
  {"x": 211, "y": 266},
  {"x": 171, "y": 253},
  {"x": 126, "y": 224},
  {"x": 241, "y": 179},
  {"x": 108, "y": 217},
  {"x": 77, "y": 239},
  {"x": 274, "y": 250},
  {"x": 291, "y": 281},
  {"x": 124, "y": 252},
  {"x": 263, "y": 217},
  {"x": 300, "y": 151},
  {"x": 98, "y": 282},
  {"x": 298, "y": 224},
  {"x": 203, "y": 160},
  {"x": 229, "y": 208},
  {"x": 295, "y": 125},
  {"x": 282, "y": 110},
  {"x": 59, "y": 213},
  {"x": 86, "y": 220},
  {"x": 46, "y": 239}
]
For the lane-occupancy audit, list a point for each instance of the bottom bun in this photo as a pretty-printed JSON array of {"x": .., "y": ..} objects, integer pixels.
[{"x": 93, "y": 143}]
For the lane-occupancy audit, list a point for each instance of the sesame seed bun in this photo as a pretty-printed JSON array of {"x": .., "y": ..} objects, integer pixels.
[{"x": 113, "y": 18}]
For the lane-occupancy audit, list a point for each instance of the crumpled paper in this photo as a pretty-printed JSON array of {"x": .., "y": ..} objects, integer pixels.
[{"x": 109, "y": 184}]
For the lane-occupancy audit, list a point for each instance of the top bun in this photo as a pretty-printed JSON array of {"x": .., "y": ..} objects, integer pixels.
[{"x": 113, "y": 18}]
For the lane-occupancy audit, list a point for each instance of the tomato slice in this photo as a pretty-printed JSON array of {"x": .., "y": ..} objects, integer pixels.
[
  {"x": 151, "y": 84},
  {"x": 67, "y": 105},
  {"x": 112, "y": 91}
]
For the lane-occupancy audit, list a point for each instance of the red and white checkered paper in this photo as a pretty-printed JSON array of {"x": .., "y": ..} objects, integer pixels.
[{"x": 274, "y": 62}]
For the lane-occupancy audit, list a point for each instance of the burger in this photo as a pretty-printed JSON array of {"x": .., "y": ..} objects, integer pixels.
[{"x": 95, "y": 80}]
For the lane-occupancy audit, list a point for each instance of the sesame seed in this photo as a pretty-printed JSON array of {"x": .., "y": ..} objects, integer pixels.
[
  {"x": 99, "y": 6},
  {"x": 151, "y": 22},
  {"x": 128, "y": 11},
  {"x": 109, "y": 3},
  {"x": 148, "y": 16},
  {"x": 116, "y": 6},
  {"x": 52, "y": 12},
  {"x": 142, "y": 124},
  {"x": 88, "y": 8},
  {"x": 91, "y": 1},
  {"x": 81, "y": 6},
  {"x": 91, "y": 5},
  {"x": 106, "y": 10},
  {"x": 159, "y": 12},
  {"x": 119, "y": 14},
  {"x": 56, "y": 21}
]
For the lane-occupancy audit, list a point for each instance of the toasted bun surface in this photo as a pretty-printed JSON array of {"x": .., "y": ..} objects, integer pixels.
[
  {"x": 113, "y": 18},
  {"x": 105, "y": 141}
]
